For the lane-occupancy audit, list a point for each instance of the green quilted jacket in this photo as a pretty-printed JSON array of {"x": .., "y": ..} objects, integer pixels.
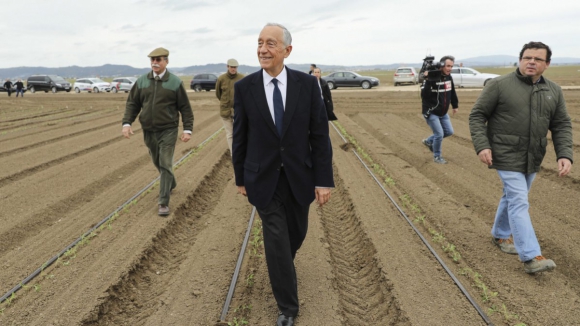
[
  {"x": 159, "y": 102},
  {"x": 512, "y": 117}
]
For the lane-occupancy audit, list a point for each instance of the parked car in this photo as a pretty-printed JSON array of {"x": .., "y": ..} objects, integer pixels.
[
  {"x": 203, "y": 81},
  {"x": 467, "y": 77},
  {"x": 350, "y": 79},
  {"x": 91, "y": 85},
  {"x": 122, "y": 84},
  {"x": 405, "y": 75},
  {"x": 47, "y": 83}
]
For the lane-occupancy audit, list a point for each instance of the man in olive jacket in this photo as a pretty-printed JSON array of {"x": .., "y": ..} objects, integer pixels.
[
  {"x": 224, "y": 91},
  {"x": 509, "y": 124},
  {"x": 158, "y": 98}
]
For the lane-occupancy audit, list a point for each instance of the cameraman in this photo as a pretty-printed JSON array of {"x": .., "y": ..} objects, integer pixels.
[{"x": 437, "y": 93}]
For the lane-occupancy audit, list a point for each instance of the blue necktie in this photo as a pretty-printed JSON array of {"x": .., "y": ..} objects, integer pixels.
[{"x": 278, "y": 107}]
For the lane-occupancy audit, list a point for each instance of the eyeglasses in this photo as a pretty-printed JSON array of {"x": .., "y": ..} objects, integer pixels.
[
  {"x": 536, "y": 59},
  {"x": 157, "y": 59}
]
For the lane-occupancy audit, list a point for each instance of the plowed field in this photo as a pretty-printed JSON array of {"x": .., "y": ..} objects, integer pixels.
[{"x": 65, "y": 167}]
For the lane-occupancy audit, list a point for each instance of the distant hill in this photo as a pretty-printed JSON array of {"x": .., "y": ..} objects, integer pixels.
[
  {"x": 74, "y": 71},
  {"x": 508, "y": 60},
  {"x": 109, "y": 70}
]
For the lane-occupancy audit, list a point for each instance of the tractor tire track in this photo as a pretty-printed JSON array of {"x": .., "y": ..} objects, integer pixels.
[
  {"x": 365, "y": 294},
  {"x": 135, "y": 297}
]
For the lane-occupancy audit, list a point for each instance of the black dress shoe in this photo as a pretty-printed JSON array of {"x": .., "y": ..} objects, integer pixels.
[{"x": 284, "y": 320}]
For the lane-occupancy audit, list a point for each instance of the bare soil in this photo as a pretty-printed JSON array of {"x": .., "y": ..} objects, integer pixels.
[{"x": 65, "y": 166}]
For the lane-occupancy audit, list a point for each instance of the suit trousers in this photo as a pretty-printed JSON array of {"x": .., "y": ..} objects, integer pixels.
[
  {"x": 161, "y": 146},
  {"x": 284, "y": 223}
]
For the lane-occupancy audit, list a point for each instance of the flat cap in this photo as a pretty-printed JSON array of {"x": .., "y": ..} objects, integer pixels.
[
  {"x": 233, "y": 63},
  {"x": 159, "y": 52}
]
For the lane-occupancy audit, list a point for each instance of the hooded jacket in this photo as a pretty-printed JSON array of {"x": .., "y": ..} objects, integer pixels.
[
  {"x": 224, "y": 91},
  {"x": 160, "y": 102},
  {"x": 512, "y": 117}
]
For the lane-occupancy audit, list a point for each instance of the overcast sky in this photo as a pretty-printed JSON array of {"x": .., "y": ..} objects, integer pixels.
[{"x": 61, "y": 33}]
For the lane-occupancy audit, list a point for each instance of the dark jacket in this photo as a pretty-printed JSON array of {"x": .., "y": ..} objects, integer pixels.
[
  {"x": 327, "y": 97},
  {"x": 438, "y": 95},
  {"x": 8, "y": 85},
  {"x": 304, "y": 147},
  {"x": 161, "y": 103},
  {"x": 224, "y": 91},
  {"x": 19, "y": 85},
  {"x": 512, "y": 117}
]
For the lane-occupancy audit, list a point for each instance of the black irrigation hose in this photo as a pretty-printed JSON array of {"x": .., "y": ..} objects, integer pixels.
[
  {"x": 457, "y": 282},
  {"x": 238, "y": 267},
  {"x": 62, "y": 252}
]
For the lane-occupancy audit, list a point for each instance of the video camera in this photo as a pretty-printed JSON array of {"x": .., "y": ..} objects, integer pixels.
[{"x": 433, "y": 68}]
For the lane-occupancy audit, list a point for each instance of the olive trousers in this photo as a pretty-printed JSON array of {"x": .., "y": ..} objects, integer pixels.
[{"x": 161, "y": 146}]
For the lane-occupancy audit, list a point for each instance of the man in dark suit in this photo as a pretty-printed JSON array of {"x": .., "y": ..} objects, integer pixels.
[{"x": 282, "y": 157}]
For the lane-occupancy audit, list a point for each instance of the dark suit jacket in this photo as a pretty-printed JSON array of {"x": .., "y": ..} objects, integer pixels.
[
  {"x": 327, "y": 100},
  {"x": 304, "y": 148}
]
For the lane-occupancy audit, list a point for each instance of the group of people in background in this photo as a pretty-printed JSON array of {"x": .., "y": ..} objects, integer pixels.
[
  {"x": 19, "y": 87},
  {"x": 509, "y": 124},
  {"x": 276, "y": 123}
]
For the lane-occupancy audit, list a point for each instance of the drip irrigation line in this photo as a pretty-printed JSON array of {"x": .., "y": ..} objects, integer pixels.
[
  {"x": 105, "y": 220},
  {"x": 238, "y": 267},
  {"x": 441, "y": 262}
]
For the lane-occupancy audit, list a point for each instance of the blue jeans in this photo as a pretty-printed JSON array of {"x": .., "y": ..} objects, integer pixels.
[
  {"x": 442, "y": 128},
  {"x": 512, "y": 215}
]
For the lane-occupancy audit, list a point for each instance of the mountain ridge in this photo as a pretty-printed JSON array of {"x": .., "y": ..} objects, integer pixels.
[{"x": 112, "y": 70}]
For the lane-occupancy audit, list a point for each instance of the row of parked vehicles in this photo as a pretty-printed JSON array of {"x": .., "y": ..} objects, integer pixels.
[
  {"x": 337, "y": 79},
  {"x": 462, "y": 77},
  {"x": 54, "y": 83}
]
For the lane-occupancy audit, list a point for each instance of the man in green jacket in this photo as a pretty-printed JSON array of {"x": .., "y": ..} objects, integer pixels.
[
  {"x": 224, "y": 91},
  {"x": 159, "y": 98},
  {"x": 509, "y": 124}
]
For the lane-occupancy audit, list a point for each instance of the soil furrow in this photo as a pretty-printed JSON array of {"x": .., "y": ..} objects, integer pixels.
[
  {"x": 365, "y": 295},
  {"x": 132, "y": 300},
  {"x": 16, "y": 235},
  {"x": 40, "y": 167},
  {"x": 40, "y": 115},
  {"x": 39, "y": 130},
  {"x": 48, "y": 121},
  {"x": 53, "y": 140}
]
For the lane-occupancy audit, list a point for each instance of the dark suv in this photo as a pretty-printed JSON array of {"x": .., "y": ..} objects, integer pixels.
[
  {"x": 47, "y": 83},
  {"x": 203, "y": 81}
]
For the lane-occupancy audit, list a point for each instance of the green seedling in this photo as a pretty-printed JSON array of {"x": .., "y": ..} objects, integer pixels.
[
  {"x": 238, "y": 322},
  {"x": 36, "y": 287},
  {"x": 11, "y": 299},
  {"x": 437, "y": 237},
  {"x": 420, "y": 219},
  {"x": 250, "y": 280}
]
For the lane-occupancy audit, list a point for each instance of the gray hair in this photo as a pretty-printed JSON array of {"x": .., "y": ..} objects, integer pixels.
[
  {"x": 287, "y": 37},
  {"x": 447, "y": 57}
]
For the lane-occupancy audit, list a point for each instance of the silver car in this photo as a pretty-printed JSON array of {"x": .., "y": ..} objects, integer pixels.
[
  {"x": 122, "y": 84},
  {"x": 94, "y": 85},
  {"x": 467, "y": 77},
  {"x": 405, "y": 75}
]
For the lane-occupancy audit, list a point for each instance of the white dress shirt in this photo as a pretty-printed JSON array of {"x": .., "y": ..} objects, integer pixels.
[{"x": 269, "y": 88}]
